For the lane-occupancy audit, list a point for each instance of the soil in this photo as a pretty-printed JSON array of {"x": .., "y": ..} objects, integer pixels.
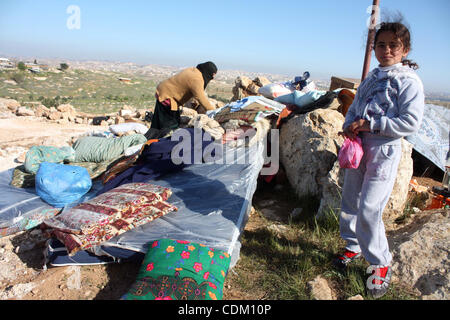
[{"x": 22, "y": 272}]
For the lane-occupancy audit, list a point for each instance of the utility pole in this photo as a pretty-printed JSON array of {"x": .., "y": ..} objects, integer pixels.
[{"x": 370, "y": 38}]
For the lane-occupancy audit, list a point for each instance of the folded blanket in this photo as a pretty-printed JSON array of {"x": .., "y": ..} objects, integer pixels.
[{"x": 119, "y": 210}]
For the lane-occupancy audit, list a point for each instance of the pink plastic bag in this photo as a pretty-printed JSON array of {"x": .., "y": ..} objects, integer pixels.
[{"x": 350, "y": 153}]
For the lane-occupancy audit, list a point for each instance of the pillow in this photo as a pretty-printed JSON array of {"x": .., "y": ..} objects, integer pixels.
[
  {"x": 178, "y": 270},
  {"x": 128, "y": 126},
  {"x": 274, "y": 90},
  {"x": 109, "y": 214}
]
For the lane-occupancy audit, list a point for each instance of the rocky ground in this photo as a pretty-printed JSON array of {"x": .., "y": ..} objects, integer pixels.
[{"x": 23, "y": 276}]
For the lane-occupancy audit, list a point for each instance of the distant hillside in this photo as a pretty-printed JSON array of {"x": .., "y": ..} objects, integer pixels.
[
  {"x": 94, "y": 86},
  {"x": 91, "y": 91}
]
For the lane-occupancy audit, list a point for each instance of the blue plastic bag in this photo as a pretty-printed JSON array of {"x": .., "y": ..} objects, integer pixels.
[{"x": 61, "y": 184}]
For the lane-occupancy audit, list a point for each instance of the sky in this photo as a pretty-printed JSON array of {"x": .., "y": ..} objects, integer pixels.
[{"x": 325, "y": 37}]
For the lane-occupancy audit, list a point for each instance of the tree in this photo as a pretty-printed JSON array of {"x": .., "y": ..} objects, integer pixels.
[
  {"x": 64, "y": 66},
  {"x": 21, "y": 66}
]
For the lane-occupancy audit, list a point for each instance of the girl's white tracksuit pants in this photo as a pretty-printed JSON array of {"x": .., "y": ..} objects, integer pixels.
[{"x": 365, "y": 193}]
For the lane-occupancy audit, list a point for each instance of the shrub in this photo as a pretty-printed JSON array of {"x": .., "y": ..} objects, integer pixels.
[
  {"x": 18, "y": 77},
  {"x": 21, "y": 66}
]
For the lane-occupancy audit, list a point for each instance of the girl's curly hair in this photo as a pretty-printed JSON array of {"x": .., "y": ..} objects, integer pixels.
[{"x": 402, "y": 33}]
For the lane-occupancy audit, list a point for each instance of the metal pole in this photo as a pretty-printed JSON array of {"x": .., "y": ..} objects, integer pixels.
[{"x": 370, "y": 38}]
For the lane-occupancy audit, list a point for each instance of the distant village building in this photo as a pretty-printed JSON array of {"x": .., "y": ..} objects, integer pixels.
[
  {"x": 36, "y": 67},
  {"x": 5, "y": 63}
]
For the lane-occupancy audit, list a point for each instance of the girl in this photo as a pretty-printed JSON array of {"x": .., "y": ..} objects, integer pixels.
[{"x": 388, "y": 105}]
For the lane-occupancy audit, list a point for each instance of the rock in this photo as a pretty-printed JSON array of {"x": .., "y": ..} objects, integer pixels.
[
  {"x": 74, "y": 281},
  {"x": 333, "y": 182},
  {"x": 421, "y": 256},
  {"x": 331, "y": 191},
  {"x": 261, "y": 81},
  {"x": 320, "y": 290},
  {"x": 126, "y": 112},
  {"x": 308, "y": 149},
  {"x": 119, "y": 119},
  {"x": 140, "y": 113},
  {"x": 253, "y": 89},
  {"x": 243, "y": 81},
  {"x": 17, "y": 291},
  {"x": 24, "y": 111},
  {"x": 63, "y": 121},
  {"x": 79, "y": 120},
  {"x": 296, "y": 213},
  {"x": 55, "y": 115},
  {"x": 309, "y": 145},
  {"x": 10, "y": 82},
  {"x": 10, "y": 104},
  {"x": 41, "y": 111},
  {"x": 399, "y": 195},
  {"x": 244, "y": 87},
  {"x": 67, "y": 109}
]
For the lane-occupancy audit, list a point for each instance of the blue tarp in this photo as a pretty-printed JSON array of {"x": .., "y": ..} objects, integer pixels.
[
  {"x": 433, "y": 138},
  {"x": 213, "y": 201}
]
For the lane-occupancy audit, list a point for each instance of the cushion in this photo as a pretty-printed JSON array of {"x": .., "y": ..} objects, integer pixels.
[
  {"x": 179, "y": 270},
  {"x": 128, "y": 126},
  {"x": 112, "y": 213},
  {"x": 38, "y": 154}
]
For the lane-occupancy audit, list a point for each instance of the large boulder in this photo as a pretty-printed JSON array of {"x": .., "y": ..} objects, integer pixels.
[
  {"x": 9, "y": 104},
  {"x": 308, "y": 149},
  {"x": 309, "y": 145},
  {"x": 332, "y": 188},
  {"x": 244, "y": 87},
  {"x": 24, "y": 111},
  {"x": 421, "y": 255},
  {"x": 67, "y": 110}
]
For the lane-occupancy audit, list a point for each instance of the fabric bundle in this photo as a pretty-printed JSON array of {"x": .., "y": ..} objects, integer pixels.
[{"x": 119, "y": 210}]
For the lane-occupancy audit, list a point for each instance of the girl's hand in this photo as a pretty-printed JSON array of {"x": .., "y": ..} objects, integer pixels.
[
  {"x": 360, "y": 125},
  {"x": 356, "y": 127},
  {"x": 348, "y": 133}
]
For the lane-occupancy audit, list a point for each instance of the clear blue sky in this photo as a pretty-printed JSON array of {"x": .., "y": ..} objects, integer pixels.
[{"x": 285, "y": 37}]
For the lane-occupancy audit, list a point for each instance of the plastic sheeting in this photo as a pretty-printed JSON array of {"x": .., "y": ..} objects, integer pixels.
[
  {"x": 17, "y": 203},
  {"x": 213, "y": 201},
  {"x": 433, "y": 138}
]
